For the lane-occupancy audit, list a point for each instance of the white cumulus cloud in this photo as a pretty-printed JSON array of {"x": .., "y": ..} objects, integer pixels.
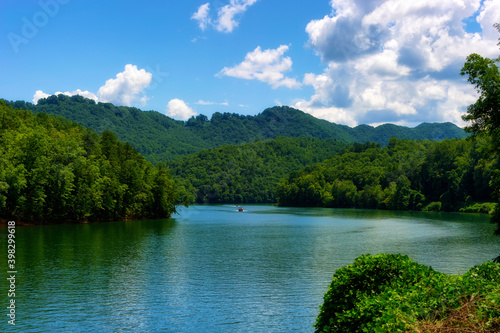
[
  {"x": 227, "y": 18},
  {"x": 125, "y": 89},
  {"x": 39, "y": 95},
  {"x": 202, "y": 16},
  {"x": 87, "y": 94},
  {"x": 490, "y": 12},
  {"x": 396, "y": 60},
  {"x": 266, "y": 66},
  {"x": 178, "y": 109}
]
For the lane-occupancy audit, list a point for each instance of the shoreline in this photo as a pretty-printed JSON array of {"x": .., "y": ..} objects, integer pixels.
[{"x": 3, "y": 221}]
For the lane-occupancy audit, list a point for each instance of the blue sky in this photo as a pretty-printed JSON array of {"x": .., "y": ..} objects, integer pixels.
[{"x": 350, "y": 62}]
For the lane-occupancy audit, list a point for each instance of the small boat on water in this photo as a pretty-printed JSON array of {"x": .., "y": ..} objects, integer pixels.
[{"x": 240, "y": 209}]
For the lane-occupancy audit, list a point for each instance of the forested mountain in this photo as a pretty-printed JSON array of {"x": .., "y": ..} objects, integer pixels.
[
  {"x": 248, "y": 173},
  {"x": 231, "y": 158},
  {"x": 154, "y": 135},
  {"x": 160, "y": 138},
  {"x": 405, "y": 175},
  {"x": 54, "y": 170}
]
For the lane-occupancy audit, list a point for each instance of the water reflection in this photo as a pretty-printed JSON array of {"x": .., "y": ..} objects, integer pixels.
[{"x": 213, "y": 268}]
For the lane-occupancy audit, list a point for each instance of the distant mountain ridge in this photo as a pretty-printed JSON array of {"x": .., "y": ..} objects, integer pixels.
[{"x": 160, "y": 138}]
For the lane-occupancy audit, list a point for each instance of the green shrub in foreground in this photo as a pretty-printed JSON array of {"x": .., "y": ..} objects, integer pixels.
[{"x": 392, "y": 293}]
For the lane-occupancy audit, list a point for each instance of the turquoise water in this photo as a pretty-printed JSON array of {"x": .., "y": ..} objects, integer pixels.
[{"x": 214, "y": 269}]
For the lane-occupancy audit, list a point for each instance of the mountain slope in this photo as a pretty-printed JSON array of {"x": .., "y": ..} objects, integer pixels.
[
  {"x": 405, "y": 175},
  {"x": 54, "y": 170},
  {"x": 160, "y": 138},
  {"x": 248, "y": 173}
]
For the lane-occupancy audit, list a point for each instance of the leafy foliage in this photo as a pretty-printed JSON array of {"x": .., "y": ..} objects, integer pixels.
[
  {"x": 483, "y": 73},
  {"x": 482, "y": 208},
  {"x": 248, "y": 173},
  {"x": 52, "y": 169},
  {"x": 154, "y": 135},
  {"x": 484, "y": 115},
  {"x": 409, "y": 175},
  {"x": 391, "y": 293},
  {"x": 160, "y": 138}
]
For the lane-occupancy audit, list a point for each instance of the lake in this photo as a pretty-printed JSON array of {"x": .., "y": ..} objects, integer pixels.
[{"x": 214, "y": 269}]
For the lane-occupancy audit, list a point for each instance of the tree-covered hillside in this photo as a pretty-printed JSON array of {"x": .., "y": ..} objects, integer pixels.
[
  {"x": 160, "y": 138},
  {"x": 154, "y": 135},
  {"x": 54, "y": 170},
  {"x": 407, "y": 175},
  {"x": 248, "y": 173}
]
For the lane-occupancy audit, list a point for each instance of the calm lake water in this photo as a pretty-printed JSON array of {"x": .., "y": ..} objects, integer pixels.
[{"x": 214, "y": 269}]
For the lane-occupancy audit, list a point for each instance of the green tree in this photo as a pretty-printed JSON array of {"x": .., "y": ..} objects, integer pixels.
[
  {"x": 53, "y": 170},
  {"x": 484, "y": 115},
  {"x": 162, "y": 139},
  {"x": 406, "y": 175}
]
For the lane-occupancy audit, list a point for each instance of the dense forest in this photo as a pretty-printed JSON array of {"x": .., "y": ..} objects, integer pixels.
[
  {"x": 54, "y": 170},
  {"x": 248, "y": 173},
  {"x": 160, "y": 138},
  {"x": 276, "y": 156},
  {"x": 450, "y": 175}
]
